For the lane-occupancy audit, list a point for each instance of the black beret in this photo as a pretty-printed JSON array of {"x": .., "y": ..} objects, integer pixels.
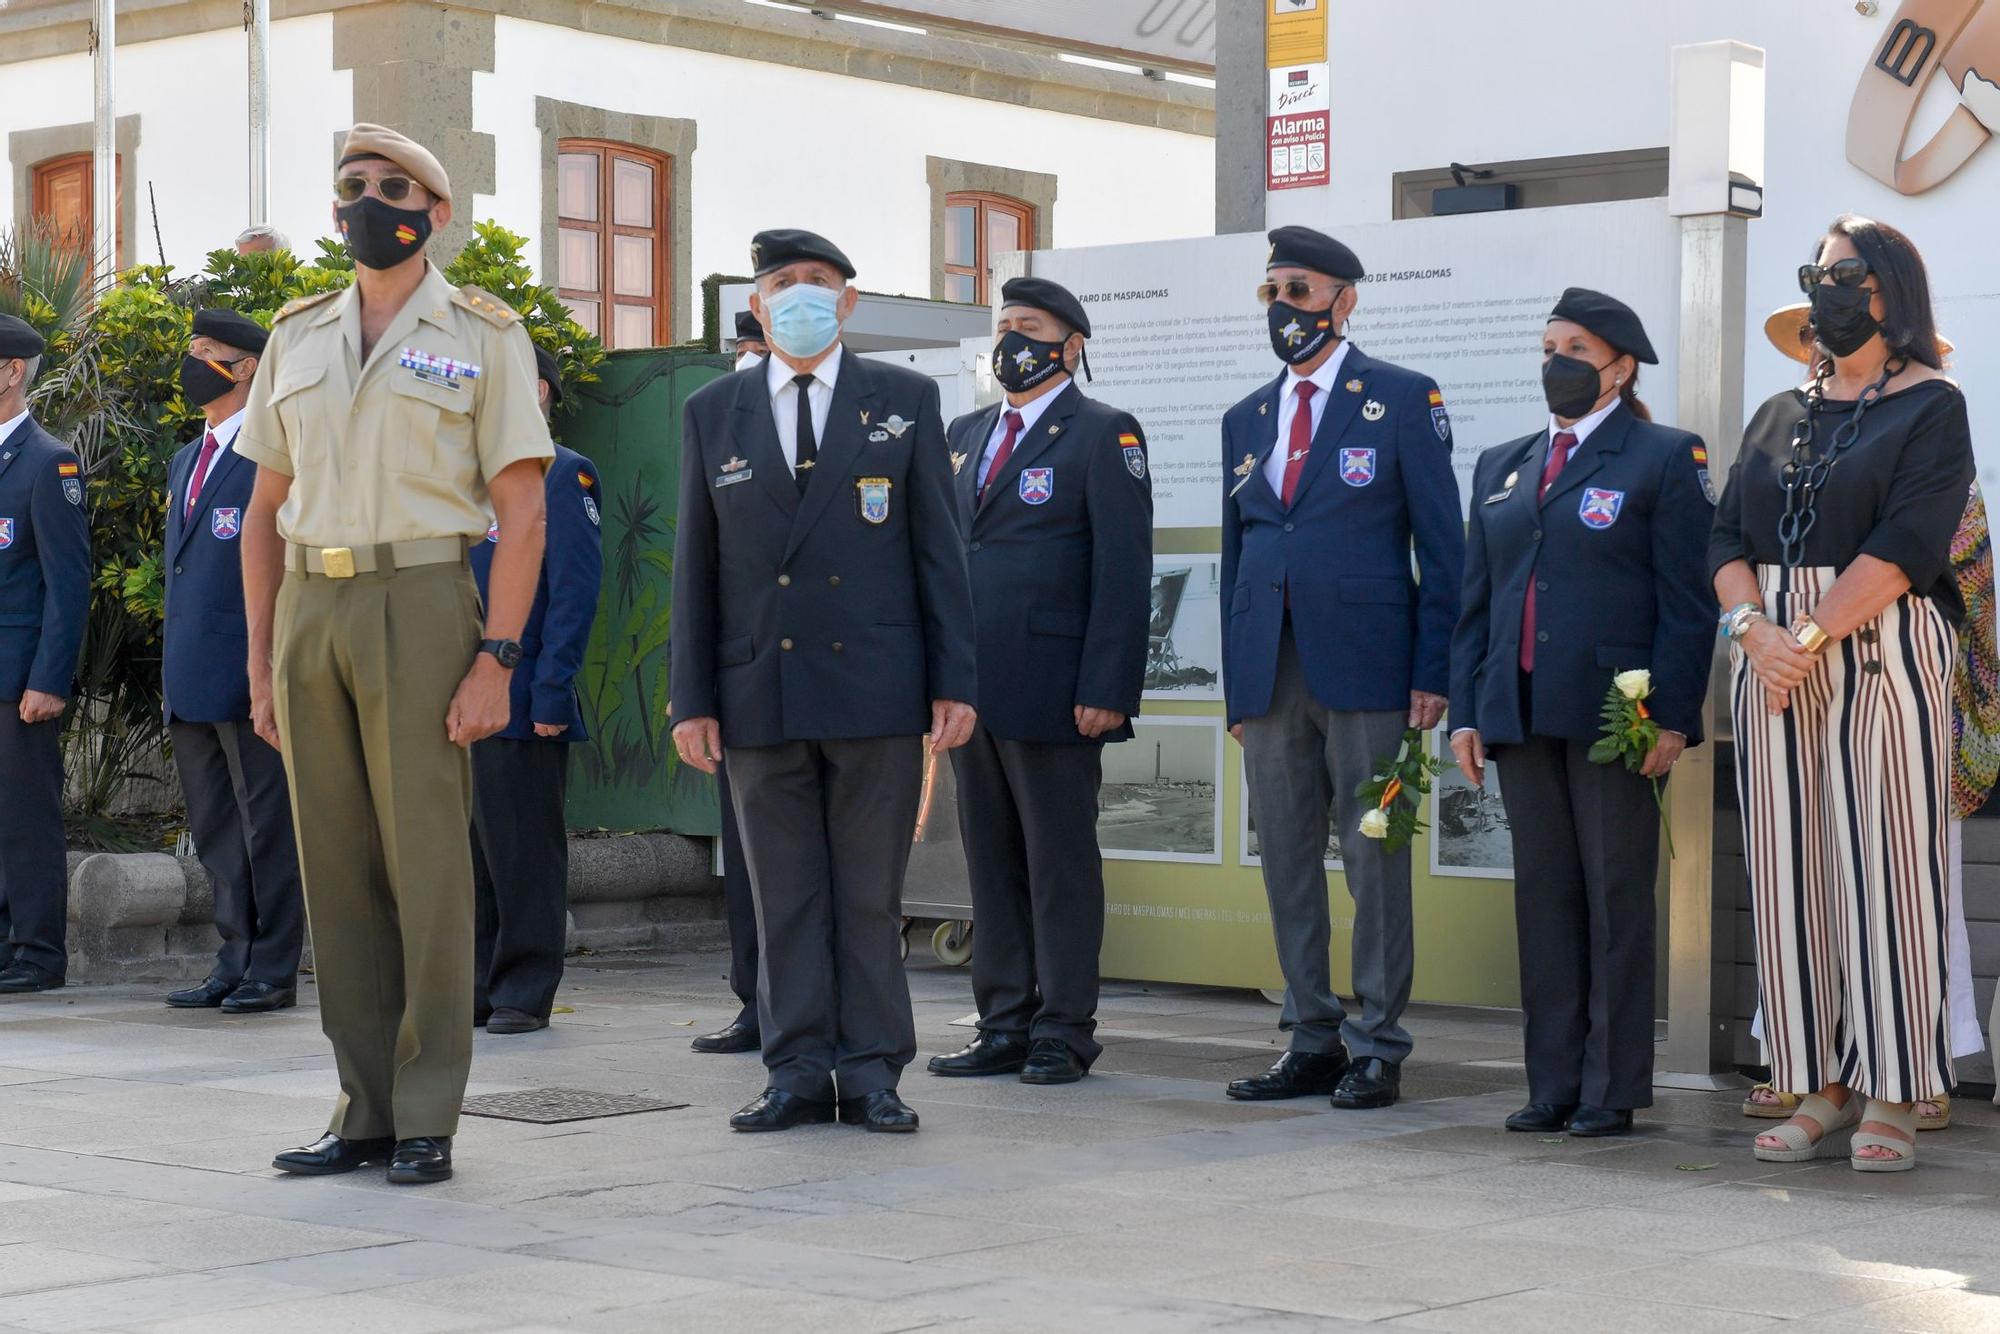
[
  {"x": 547, "y": 370},
  {"x": 231, "y": 329},
  {"x": 1304, "y": 248},
  {"x": 1046, "y": 294},
  {"x": 1609, "y": 318},
  {"x": 747, "y": 328},
  {"x": 775, "y": 249},
  {"x": 19, "y": 339}
]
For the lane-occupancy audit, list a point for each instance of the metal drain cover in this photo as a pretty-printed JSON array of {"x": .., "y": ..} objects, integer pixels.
[{"x": 551, "y": 1106}]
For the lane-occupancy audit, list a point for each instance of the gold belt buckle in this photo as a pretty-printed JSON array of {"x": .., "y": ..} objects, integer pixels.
[{"x": 337, "y": 562}]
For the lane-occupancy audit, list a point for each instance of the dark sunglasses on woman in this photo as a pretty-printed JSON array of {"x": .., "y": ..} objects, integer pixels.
[{"x": 1843, "y": 272}]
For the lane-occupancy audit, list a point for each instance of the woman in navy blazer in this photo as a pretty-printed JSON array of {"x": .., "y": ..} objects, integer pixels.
[{"x": 1585, "y": 557}]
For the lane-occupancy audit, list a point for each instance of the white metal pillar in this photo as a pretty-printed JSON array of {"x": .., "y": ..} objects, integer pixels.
[
  {"x": 257, "y": 20},
  {"x": 1716, "y": 175},
  {"x": 104, "y": 201}
]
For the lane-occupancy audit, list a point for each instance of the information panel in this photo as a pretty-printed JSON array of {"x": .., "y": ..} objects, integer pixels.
[{"x": 1179, "y": 337}]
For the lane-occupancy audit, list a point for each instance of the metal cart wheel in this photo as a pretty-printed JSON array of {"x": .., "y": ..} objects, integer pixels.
[{"x": 952, "y": 943}]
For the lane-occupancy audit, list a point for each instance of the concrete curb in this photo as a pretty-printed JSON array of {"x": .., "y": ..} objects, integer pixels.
[{"x": 149, "y": 916}]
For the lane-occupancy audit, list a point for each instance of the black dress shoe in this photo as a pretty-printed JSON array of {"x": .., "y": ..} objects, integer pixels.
[
  {"x": 775, "y": 1109},
  {"x": 1591, "y": 1122},
  {"x": 508, "y": 1020},
  {"x": 421, "y": 1161},
  {"x": 1547, "y": 1118},
  {"x": 735, "y": 1038},
  {"x": 1296, "y": 1074},
  {"x": 260, "y": 998},
  {"x": 1052, "y": 1062},
  {"x": 333, "y": 1155},
  {"x": 881, "y": 1111},
  {"x": 1370, "y": 1083},
  {"x": 987, "y": 1054},
  {"x": 22, "y": 977},
  {"x": 207, "y": 996}
]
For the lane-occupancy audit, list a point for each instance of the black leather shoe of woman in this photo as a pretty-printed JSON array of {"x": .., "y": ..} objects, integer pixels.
[{"x": 1546, "y": 1118}]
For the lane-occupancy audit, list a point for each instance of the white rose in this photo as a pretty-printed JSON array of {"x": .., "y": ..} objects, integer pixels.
[
  {"x": 1635, "y": 684},
  {"x": 1375, "y": 824}
]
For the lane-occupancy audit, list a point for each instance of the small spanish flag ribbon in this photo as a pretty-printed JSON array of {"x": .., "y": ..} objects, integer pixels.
[{"x": 66, "y": 469}]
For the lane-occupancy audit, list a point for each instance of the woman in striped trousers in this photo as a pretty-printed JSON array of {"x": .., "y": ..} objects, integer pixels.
[{"x": 1832, "y": 552}]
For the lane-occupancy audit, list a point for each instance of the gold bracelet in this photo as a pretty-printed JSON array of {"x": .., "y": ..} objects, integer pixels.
[{"x": 1811, "y": 638}]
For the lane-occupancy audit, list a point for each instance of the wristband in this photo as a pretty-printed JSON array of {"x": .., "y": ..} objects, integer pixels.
[
  {"x": 1811, "y": 638},
  {"x": 1736, "y": 622}
]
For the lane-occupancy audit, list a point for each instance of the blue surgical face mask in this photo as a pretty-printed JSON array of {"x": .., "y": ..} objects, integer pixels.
[{"x": 804, "y": 320}]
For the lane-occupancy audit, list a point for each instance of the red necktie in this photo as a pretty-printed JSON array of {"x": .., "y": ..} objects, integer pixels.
[
  {"x": 209, "y": 444},
  {"x": 1559, "y": 449},
  {"x": 1301, "y": 442},
  {"x": 1014, "y": 425}
]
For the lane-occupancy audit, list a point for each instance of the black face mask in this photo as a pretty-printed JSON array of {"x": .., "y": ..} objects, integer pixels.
[
  {"x": 380, "y": 235},
  {"x": 201, "y": 383},
  {"x": 1299, "y": 335},
  {"x": 1570, "y": 386},
  {"x": 1020, "y": 362},
  {"x": 1841, "y": 319}
]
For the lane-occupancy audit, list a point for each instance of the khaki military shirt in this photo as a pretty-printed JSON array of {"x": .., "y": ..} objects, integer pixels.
[{"x": 400, "y": 447}]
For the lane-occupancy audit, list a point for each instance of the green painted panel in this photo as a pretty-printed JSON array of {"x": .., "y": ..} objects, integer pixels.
[{"x": 627, "y": 776}]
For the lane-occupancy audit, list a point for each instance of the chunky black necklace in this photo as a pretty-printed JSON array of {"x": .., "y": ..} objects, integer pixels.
[{"x": 1803, "y": 478}]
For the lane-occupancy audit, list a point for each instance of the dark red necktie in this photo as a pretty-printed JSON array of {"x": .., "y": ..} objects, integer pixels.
[
  {"x": 1301, "y": 443},
  {"x": 1559, "y": 449},
  {"x": 209, "y": 444},
  {"x": 1014, "y": 425}
]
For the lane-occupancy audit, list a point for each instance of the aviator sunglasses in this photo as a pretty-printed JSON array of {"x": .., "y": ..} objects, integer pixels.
[
  {"x": 1843, "y": 272},
  {"x": 395, "y": 189},
  {"x": 1293, "y": 290}
]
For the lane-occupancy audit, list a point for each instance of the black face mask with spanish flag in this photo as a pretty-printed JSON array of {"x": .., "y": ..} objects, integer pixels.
[
  {"x": 380, "y": 235},
  {"x": 1299, "y": 335}
]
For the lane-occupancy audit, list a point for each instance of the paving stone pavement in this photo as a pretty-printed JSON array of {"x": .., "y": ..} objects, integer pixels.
[{"x": 136, "y": 1192}]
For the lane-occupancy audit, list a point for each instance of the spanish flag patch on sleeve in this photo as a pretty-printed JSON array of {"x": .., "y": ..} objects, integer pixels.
[
  {"x": 1127, "y": 440},
  {"x": 1437, "y": 399},
  {"x": 584, "y": 480},
  {"x": 67, "y": 469},
  {"x": 1701, "y": 456}
]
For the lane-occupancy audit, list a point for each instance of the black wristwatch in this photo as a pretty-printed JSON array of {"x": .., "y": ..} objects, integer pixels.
[{"x": 507, "y": 652}]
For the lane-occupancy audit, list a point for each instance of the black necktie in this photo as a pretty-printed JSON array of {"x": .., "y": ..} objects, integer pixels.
[{"x": 808, "y": 450}]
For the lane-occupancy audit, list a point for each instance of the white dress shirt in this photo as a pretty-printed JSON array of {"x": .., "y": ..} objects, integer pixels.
[
  {"x": 225, "y": 439},
  {"x": 785, "y": 401},
  {"x": 1031, "y": 412},
  {"x": 1584, "y": 426},
  {"x": 12, "y": 425},
  {"x": 1323, "y": 380}
]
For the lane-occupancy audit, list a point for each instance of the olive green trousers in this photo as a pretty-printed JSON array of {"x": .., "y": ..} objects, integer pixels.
[{"x": 363, "y": 672}]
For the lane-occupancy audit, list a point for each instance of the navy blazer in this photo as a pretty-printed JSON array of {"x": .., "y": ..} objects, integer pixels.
[
  {"x": 1368, "y": 631},
  {"x": 44, "y": 564},
  {"x": 1061, "y": 559},
  {"x": 543, "y": 688},
  {"x": 839, "y": 613},
  {"x": 205, "y": 666},
  {"x": 1618, "y": 550}
]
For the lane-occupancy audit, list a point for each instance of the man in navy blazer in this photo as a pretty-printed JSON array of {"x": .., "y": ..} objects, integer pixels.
[
  {"x": 520, "y": 838},
  {"x": 1333, "y": 473},
  {"x": 239, "y": 804},
  {"x": 1057, "y": 509},
  {"x": 822, "y": 624},
  {"x": 44, "y": 601}
]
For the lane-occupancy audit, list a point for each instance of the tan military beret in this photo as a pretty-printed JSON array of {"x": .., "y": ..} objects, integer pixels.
[{"x": 366, "y": 141}]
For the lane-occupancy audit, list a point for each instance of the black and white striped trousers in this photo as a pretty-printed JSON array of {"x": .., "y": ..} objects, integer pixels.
[{"x": 1845, "y": 797}]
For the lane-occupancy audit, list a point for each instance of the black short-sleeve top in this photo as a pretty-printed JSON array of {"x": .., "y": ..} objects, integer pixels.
[{"x": 1897, "y": 494}]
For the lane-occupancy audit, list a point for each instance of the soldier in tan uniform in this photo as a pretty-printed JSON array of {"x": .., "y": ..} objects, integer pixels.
[{"x": 391, "y": 423}]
